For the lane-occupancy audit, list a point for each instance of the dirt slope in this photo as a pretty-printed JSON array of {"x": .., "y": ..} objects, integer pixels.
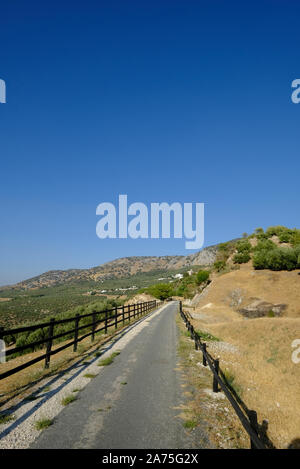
[{"x": 236, "y": 289}]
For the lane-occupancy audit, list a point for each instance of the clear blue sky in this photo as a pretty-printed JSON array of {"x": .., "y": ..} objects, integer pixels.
[{"x": 161, "y": 100}]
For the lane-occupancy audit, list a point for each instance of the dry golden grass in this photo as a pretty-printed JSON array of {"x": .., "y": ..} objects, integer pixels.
[
  {"x": 274, "y": 287},
  {"x": 261, "y": 359}
]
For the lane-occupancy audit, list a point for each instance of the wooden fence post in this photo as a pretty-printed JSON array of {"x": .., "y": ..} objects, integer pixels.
[
  {"x": 204, "y": 352},
  {"x": 123, "y": 314},
  {"x": 254, "y": 425},
  {"x": 2, "y": 346},
  {"x": 116, "y": 317},
  {"x": 1, "y": 334},
  {"x": 49, "y": 343},
  {"x": 77, "y": 319},
  {"x": 105, "y": 324},
  {"x": 93, "y": 326},
  {"x": 215, "y": 381}
]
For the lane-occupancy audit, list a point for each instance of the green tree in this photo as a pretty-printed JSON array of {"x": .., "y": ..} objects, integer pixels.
[
  {"x": 161, "y": 291},
  {"x": 202, "y": 276}
]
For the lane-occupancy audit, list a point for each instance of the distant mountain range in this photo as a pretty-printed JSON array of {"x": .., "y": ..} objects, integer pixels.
[{"x": 123, "y": 267}]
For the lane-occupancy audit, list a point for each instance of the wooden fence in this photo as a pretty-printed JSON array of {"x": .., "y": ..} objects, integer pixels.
[
  {"x": 109, "y": 318},
  {"x": 248, "y": 420}
]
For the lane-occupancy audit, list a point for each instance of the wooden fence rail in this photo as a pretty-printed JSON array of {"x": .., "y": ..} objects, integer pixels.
[
  {"x": 109, "y": 318},
  {"x": 248, "y": 421}
]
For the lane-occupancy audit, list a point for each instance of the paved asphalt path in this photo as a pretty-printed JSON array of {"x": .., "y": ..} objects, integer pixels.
[{"x": 144, "y": 413}]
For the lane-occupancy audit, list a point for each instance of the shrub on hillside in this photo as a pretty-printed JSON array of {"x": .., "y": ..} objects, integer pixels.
[
  {"x": 202, "y": 276},
  {"x": 277, "y": 258},
  {"x": 224, "y": 252},
  {"x": 264, "y": 245},
  {"x": 259, "y": 233},
  {"x": 219, "y": 265},
  {"x": 224, "y": 247},
  {"x": 243, "y": 246},
  {"x": 295, "y": 238},
  {"x": 282, "y": 259},
  {"x": 259, "y": 259},
  {"x": 181, "y": 290},
  {"x": 241, "y": 257},
  {"x": 285, "y": 237},
  {"x": 278, "y": 231}
]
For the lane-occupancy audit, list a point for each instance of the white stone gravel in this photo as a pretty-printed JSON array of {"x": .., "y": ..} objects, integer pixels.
[{"x": 21, "y": 432}]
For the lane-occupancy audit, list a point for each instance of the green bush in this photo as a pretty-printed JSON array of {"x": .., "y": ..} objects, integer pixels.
[
  {"x": 224, "y": 247},
  {"x": 264, "y": 245},
  {"x": 277, "y": 259},
  {"x": 243, "y": 246},
  {"x": 295, "y": 238},
  {"x": 278, "y": 231},
  {"x": 219, "y": 265},
  {"x": 241, "y": 257},
  {"x": 285, "y": 237},
  {"x": 259, "y": 259},
  {"x": 225, "y": 250},
  {"x": 282, "y": 259},
  {"x": 260, "y": 234},
  {"x": 202, "y": 276},
  {"x": 182, "y": 291},
  {"x": 275, "y": 230}
]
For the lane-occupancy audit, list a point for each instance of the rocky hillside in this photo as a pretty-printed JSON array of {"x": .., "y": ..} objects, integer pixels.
[{"x": 119, "y": 268}]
